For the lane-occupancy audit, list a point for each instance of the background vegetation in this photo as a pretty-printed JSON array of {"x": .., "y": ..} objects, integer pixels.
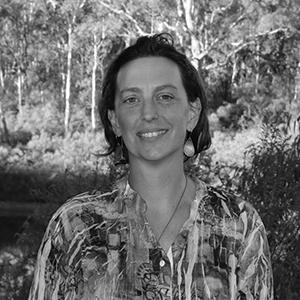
[{"x": 53, "y": 54}]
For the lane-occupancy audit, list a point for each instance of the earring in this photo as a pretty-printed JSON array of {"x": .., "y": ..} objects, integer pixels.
[{"x": 188, "y": 148}]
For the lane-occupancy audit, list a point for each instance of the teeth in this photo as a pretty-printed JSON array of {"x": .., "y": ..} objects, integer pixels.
[{"x": 153, "y": 133}]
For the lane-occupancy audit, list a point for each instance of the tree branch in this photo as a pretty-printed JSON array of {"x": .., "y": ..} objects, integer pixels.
[
  {"x": 242, "y": 44},
  {"x": 221, "y": 10},
  {"x": 239, "y": 19},
  {"x": 126, "y": 14},
  {"x": 169, "y": 27},
  {"x": 188, "y": 5}
]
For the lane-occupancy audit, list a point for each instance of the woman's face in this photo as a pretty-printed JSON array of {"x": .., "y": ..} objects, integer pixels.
[{"x": 152, "y": 112}]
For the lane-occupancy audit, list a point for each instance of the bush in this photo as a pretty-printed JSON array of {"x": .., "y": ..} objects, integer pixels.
[
  {"x": 272, "y": 185},
  {"x": 16, "y": 273},
  {"x": 222, "y": 163},
  {"x": 40, "y": 118}
]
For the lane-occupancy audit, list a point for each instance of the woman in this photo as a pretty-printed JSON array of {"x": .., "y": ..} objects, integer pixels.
[{"x": 159, "y": 234}]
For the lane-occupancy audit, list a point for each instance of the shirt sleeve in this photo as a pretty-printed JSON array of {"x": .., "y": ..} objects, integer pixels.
[
  {"x": 255, "y": 278},
  {"x": 72, "y": 259},
  {"x": 49, "y": 275}
]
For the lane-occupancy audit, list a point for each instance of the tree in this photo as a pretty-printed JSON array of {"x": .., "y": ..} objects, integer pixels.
[
  {"x": 71, "y": 12},
  {"x": 92, "y": 37},
  {"x": 16, "y": 18}
]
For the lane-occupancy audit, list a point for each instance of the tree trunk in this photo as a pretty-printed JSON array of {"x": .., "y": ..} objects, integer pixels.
[
  {"x": 68, "y": 81},
  {"x": 62, "y": 89},
  {"x": 257, "y": 67},
  {"x": 5, "y": 129},
  {"x": 42, "y": 95},
  {"x": 185, "y": 9},
  {"x": 297, "y": 85},
  {"x": 2, "y": 116},
  {"x": 95, "y": 64},
  {"x": 19, "y": 84},
  {"x": 234, "y": 70},
  {"x": 195, "y": 49},
  {"x": 296, "y": 98},
  {"x": 188, "y": 9}
]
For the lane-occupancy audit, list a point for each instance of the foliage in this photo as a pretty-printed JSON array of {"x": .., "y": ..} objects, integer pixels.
[
  {"x": 48, "y": 167},
  {"x": 42, "y": 117},
  {"x": 16, "y": 272},
  {"x": 222, "y": 163},
  {"x": 272, "y": 184}
]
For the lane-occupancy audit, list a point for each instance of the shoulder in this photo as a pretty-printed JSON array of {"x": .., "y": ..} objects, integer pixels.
[
  {"x": 88, "y": 209},
  {"x": 223, "y": 201},
  {"x": 232, "y": 219},
  {"x": 226, "y": 203},
  {"x": 102, "y": 203},
  {"x": 81, "y": 212}
]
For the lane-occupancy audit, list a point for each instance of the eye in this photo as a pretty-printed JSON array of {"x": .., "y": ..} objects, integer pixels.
[
  {"x": 165, "y": 98},
  {"x": 131, "y": 100}
]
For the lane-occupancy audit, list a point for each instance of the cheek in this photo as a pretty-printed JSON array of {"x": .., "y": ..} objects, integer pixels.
[
  {"x": 126, "y": 122},
  {"x": 180, "y": 119}
]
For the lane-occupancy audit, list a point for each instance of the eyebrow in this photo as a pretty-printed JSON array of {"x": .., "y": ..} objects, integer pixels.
[{"x": 157, "y": 89}]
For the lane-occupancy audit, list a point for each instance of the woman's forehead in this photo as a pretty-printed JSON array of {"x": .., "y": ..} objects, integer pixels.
[{"x": 156, "y": 71}]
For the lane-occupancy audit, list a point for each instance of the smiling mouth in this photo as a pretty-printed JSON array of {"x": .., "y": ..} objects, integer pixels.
[{"x": 152, "y": 134}]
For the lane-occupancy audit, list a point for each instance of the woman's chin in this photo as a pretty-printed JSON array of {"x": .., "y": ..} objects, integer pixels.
[{"x": 155, "y": 156}]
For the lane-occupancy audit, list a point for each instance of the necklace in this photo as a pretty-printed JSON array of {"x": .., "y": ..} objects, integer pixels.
[{"x": 173, "y": 214}]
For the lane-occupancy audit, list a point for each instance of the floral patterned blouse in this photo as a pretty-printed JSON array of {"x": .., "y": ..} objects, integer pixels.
[{"x": 100, "y": 246}]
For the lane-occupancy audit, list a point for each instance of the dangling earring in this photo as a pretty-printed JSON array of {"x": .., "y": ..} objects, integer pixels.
[{"x": 188, "y": 148}]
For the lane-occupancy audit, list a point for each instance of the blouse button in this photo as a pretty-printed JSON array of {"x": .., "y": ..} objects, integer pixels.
[{"x": 162, "y": 263}]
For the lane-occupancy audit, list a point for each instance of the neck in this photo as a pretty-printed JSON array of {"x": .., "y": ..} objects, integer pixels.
[{"x": 158, "y": 183}]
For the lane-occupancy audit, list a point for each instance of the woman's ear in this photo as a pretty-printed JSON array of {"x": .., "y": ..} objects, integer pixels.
[
  {"x": 194, "y": 114},
  {"x": 114, "y": 122}
]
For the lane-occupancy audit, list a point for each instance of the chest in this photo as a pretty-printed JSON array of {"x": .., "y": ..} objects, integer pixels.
[{"x": 133, "y": 263}]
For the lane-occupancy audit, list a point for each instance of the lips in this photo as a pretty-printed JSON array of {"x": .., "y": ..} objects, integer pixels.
[{"x": 151, "y": 133}]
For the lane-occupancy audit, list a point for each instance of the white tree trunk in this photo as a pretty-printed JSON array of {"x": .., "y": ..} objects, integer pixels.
[
  {"x": 188, "y": 6},
  {"x": 234, "y": 70},
  {"x": 2, "y": 116},
  {"x": 185, "y": 9},
  {"x": 19, "y": 85},
  {"x": 63, "y": 86},
  {"x": 68, "y": 81},
  {"x": 297, "y": 85},
  {"x": 95, "y": 64},
  {"x": 257, "y": 70},
  {"x": 2, "y": 80},
  {"x": 42, "y": 95}
]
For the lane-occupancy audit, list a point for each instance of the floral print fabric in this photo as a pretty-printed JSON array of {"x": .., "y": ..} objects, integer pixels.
[{"x": 100, "y": 246}]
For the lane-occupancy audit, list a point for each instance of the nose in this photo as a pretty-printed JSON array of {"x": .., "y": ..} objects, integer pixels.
[{"x": 149, "y": 110}]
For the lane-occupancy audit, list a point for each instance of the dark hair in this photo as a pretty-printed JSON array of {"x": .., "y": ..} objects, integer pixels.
[{"x": 161, "y": 45}]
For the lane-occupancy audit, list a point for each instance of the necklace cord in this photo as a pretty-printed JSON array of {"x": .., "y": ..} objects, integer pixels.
[{"x": 173, "y": 214}]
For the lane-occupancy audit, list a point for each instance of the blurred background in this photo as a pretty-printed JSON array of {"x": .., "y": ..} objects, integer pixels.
[{"x": 53, "y": 54}]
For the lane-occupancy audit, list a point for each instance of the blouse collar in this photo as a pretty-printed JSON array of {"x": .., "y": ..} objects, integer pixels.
[{"x": 129, "y": 196}]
